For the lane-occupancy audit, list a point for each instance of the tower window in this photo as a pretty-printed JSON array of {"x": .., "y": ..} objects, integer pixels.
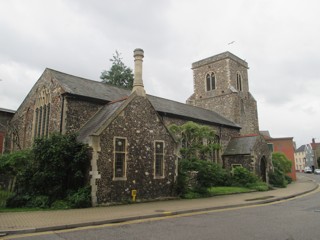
[
  {"x": 210, "y": 81},
  {"x": 239, "y": 82}
]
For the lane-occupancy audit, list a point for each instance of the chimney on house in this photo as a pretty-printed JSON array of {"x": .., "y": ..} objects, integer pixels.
[{"x": 138, "y": 87}]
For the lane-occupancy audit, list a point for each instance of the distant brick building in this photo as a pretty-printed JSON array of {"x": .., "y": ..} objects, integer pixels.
[
  {"x": 283, "y": 145},
  {"x": 132, "y": 148}
]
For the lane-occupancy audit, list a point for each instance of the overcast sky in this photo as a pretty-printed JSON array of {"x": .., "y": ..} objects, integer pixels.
[{"x": 279, "y": 39}]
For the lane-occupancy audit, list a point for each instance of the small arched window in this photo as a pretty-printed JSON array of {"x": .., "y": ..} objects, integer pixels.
[
  {"x": 239, "y": 82},
  {"x": 210, "y": 81}
]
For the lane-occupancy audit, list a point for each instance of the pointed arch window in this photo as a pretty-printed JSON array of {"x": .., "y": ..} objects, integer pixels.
[
  {"x": 210, "y": 81},
  {"x": 42, "y": 114},
  {"x": 239, "y": 82}
]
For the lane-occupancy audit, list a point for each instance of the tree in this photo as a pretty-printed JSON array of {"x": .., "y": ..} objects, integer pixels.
[
  {"x": 281, "y": 162},
  {"x": 197, "y": 141},
  {"x": 282, "y": 166},
  {"x": 119, "y": 74},
  {"x": 55, "y": 169}
]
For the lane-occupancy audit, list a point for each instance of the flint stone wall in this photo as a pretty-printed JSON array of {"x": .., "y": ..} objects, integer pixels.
[{"x": 141, "y": 126}]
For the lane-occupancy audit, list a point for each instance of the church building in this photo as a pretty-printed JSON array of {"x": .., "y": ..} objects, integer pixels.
[{"x": 132, "y": 149}]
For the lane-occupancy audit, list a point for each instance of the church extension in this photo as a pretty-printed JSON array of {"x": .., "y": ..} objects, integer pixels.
[{"x": 127, "y": 130}]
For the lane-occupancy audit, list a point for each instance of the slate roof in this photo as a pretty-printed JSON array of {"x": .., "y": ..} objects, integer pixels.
[
  {"x": 98, "y": 119},
  {"x": 7, "y": 110},
  {"x": 89, "y": 88},
  {"x": 173, "y": 108},
  {"x": 241, "y": 145},
  {"x": 106, "y": 92},
  {"x": 302, "y": 148}
]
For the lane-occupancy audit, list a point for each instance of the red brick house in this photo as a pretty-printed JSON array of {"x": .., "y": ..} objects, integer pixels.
[{"x": 283, "y": 145}]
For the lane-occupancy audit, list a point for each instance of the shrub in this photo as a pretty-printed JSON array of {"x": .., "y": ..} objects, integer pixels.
[
  {"x": 81, "y": 198},
  {"x": 12, "y": 163},
  {"x": 16, "y": 201},
  {"x": 192, "y": 195},
  {"x": 208, "y": 175},
  {"x": 277, "y": 178},
  {"x": 282, "y": 165},
  {"x": 60, "y": 204},
  {"x": 243, "y": 177},
  {"x": 4, "y": 195},
  {"x": 288, "y": 179},
  {"x": 281, "y": 162},
  {"x": 38, "y": 202}
]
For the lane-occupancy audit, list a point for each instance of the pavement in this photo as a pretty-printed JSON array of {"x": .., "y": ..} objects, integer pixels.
[{"x": 40, "y": 221}]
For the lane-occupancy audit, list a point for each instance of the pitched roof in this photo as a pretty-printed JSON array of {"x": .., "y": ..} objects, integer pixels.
[
  {"x": 7, "y": 110},
  {"x": 302, "y": 148},
  {"x": 173, "y": 108},
  {"x": 265, "y": 134},
  {"x": 241, "y": 145},
  {"x": 88, "y": 88},
  {"x": 98, "y": 120},
  {"x": 106, "y": 92}
]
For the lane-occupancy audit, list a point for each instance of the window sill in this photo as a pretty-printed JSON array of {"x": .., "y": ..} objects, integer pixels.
[
  {"x": 158, "y": 177},
  {"x": 119, "y": 179}
]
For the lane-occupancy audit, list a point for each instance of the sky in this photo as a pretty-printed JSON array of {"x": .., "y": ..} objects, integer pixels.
[{"x": 278, "y": 38}]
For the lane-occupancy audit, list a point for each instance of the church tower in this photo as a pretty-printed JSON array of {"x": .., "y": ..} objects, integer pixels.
[{"x": 221, "y": 84}]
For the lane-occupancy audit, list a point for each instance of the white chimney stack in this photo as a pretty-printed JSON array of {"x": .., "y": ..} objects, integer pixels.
[{"x": 138, "y": 87}]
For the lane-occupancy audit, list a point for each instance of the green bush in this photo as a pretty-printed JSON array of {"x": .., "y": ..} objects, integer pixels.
[
  {"x": 81, "y": 198},
  {"x": 38, "y": 202},
  {"x": 191, "y": 195},
  {"x": 59, "y": 164},
  {"x": 13, "y": 163},
  {"x": 60, "y": 204},
  {"x": 277, "y": 178},
  {"x": 4, "y": 195},
  {"x": 281, "y": 162},
  {"x": 17, "y": 201},
  {"x": 243, "y": 177},
  {"x": 288, "y": 179},
  {"x": 208, "y": 175},
  {"x": 282, "y": 166}
]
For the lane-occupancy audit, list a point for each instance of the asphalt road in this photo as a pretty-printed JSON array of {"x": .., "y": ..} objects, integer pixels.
[{"x": 295, "y": 219}]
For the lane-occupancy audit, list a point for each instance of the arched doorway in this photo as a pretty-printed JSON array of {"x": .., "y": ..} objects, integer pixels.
[{"x": 263, "y": 169}]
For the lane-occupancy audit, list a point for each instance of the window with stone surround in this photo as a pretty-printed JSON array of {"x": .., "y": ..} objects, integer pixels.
[
  {"x": 158, "y": 159},
  {"x": 41, "y": 116},
  {"x": 210, "y": 81},
  {"x": 119, "y": 166},
  {"x": 239, "y": 82}
]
